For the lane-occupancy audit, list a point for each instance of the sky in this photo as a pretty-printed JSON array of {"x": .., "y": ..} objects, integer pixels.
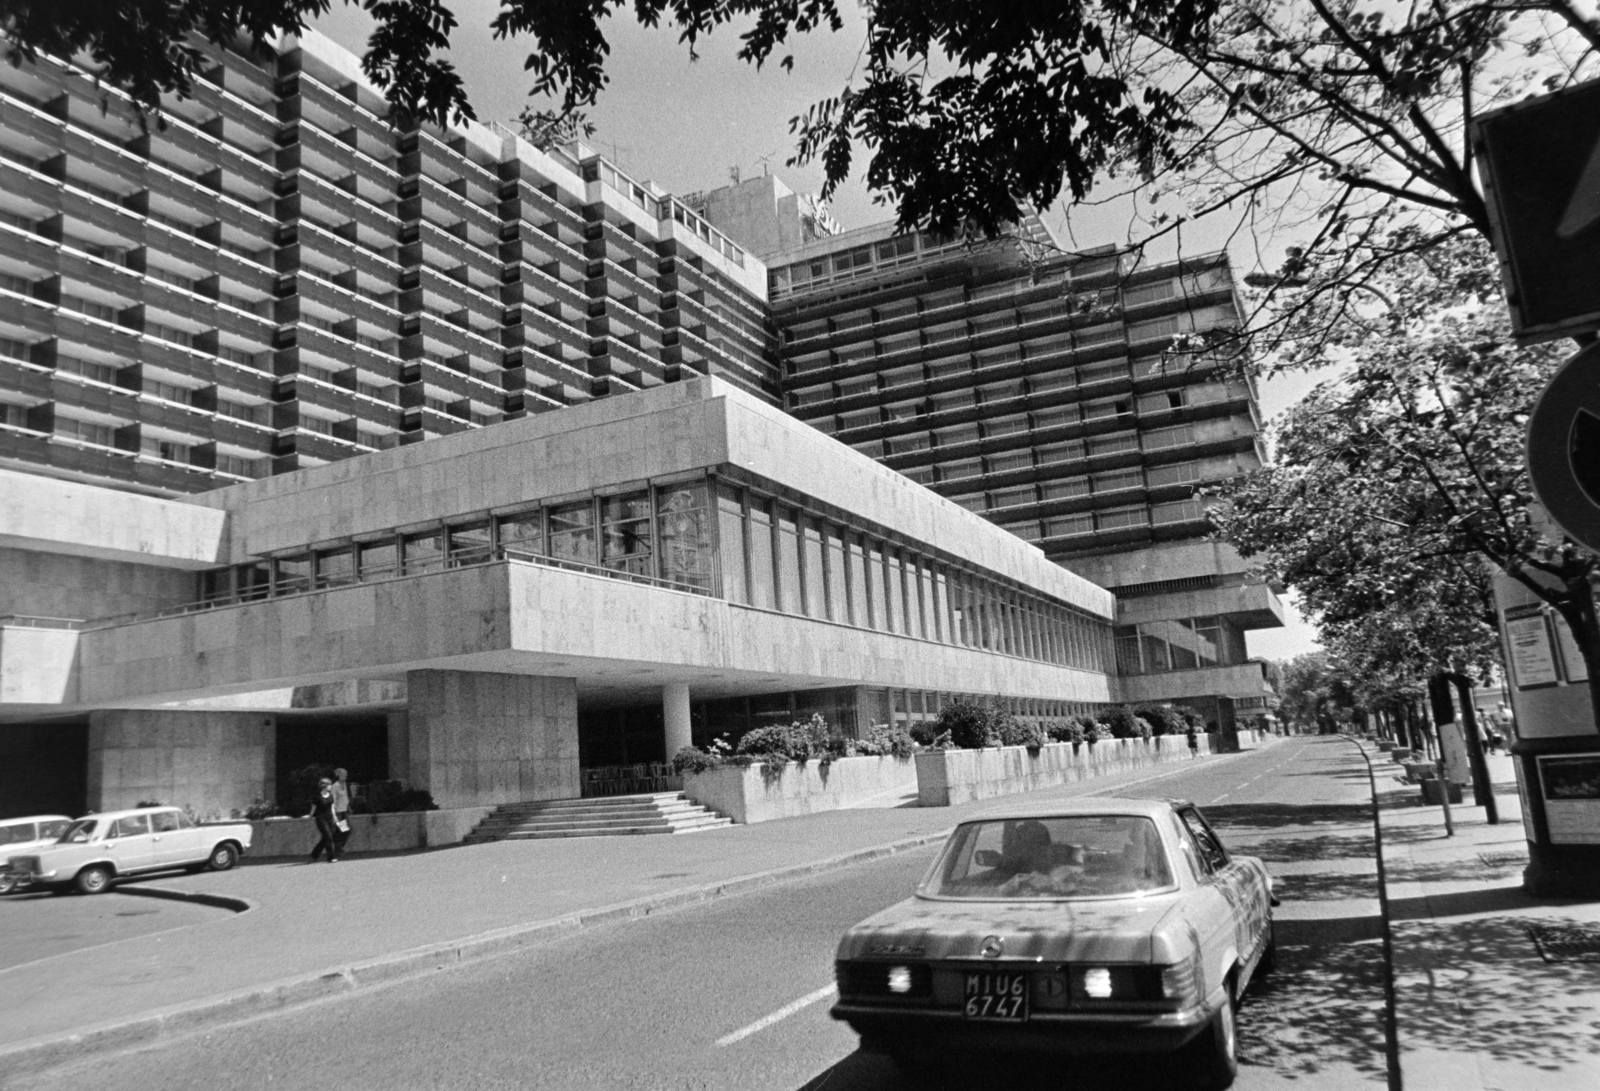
[{"x": 688, "y": 125}]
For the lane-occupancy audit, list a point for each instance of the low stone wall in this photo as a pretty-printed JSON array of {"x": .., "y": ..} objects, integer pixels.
[
  {"x": 370, "y": 832},
  {"x": 745, "y": 793},
  {"x": 949, "y": 777}
]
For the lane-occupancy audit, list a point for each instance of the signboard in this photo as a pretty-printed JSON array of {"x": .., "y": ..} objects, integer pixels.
[
  {"x": 1571, "y": 797},
  {"x": 1532, "y": 660},
  {"x": 1564, "y": 446},
  {"x": 1540, "y": 164}
]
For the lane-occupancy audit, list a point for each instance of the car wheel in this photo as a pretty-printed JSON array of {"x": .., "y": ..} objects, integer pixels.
[
  {"x": 223, "y": 857},
  {"x": 6, "y": 883},
  {"x": 1221, "y": 1045},
  {"x": 95, "y": 879}
]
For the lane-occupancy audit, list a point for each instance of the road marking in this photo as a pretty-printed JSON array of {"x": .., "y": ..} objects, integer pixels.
[{"x": 778, "y": 1016}]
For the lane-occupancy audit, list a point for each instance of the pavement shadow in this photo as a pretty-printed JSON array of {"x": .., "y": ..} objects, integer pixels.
[
  {"x": 1325, "y": 885},
  {"x": 1279, "y": 815},
  {"x": 1327, "y": 846},
  {"x": 1480, "y": 985}
]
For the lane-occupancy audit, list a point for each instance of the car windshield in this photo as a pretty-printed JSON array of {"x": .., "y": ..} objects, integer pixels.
[
  {"x": 81, "y": 830},
  {"x": 1075, "y": 856}
]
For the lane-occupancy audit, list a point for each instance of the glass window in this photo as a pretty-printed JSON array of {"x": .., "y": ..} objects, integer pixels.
[
  {"x": 216, "y": 585},
  {"x": 941, "y": 606},
  {"x": 291, "y": 575},
  {"x": 838, "y": 586},
  {"x": 811, "y": 569},
  {"x": 876, "y": 591},
  {"x": 860, "y": 605},
  {"x": 1077, "y": 856},
  {"x": 423, "y": 551},
  {"x": 625, "y": 533},
  {"x": 131, "y": 825},
  {"x": 895, "y": 592},
  {"x": 377, "y": 559},
  {"x": 927, "y": 618},
  {"x": 788, "y": 562},
  {"x": 471, "y": 543},
  {"x": 763, "y": 589},
  {"x": 164, "y": 822},
  {"x": 336, "y": 566},
  {"x": 522, "y": 532},
  {"x": 730, "y": 540},
  {"x": 683, "y": 520},
  {"x": 572, "y": 532}
]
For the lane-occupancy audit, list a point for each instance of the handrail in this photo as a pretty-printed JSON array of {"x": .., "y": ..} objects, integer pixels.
[{"x": 23, "y": 621}]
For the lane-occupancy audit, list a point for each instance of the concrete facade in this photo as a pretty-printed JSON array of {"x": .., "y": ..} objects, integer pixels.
[
  {"x": 215, "y": 763},
  {"x": 478, "y": 738}
]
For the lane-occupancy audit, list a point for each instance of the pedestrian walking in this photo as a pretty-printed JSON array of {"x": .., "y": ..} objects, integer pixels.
[
  {"x": 1194, "y": 740},
  {"x": 341, "y": 807},
  {"x": 322, "y": 811}
]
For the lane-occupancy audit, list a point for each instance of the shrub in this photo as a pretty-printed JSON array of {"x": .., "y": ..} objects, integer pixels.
[
  {"x": 1069, "y": 730},
  {"x": 1120, "y": 722},
  {"x": 792, "y": 742},
  {"x": 149, "y": 803},
  {"x": 1013, "y": 732},
  {"x": 260, "y": 809},
  {"x": 692, "y": 760},
  {"x": 1097, "y": 733},
  {"x": 970, "y": 726},
  {"x": 885, "y": 740},
  {"x": 1163, "y": 719},
  {"x": 923, "y": 732}
]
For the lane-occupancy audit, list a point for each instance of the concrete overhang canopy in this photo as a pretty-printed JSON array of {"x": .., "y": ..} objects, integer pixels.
[{"x": 50, "y": 515}]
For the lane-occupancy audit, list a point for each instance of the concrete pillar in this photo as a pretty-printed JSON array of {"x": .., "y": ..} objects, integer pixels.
[
  {"x": 477, "y": 738},
  {"x": 399, "y": 745},
  {"x": 214, "y": 763},
  {"x": 675, "y": 715}
]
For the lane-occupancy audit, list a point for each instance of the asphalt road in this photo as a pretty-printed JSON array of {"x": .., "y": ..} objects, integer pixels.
[
  {"x": 77, "y": 923},
  {"x": 734, "y": 994}
]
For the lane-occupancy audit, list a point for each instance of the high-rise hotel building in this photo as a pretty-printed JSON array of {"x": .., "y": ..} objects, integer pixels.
[
  {"x": 1038, "y": 388},
  {"x": 276, "y": 277}
]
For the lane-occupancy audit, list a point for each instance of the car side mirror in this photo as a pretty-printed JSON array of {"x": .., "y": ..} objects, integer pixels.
[{"x": 986, "y": 858}]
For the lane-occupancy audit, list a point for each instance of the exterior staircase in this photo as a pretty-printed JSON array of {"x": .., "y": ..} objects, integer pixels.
[{"x": 602, "y": 816}]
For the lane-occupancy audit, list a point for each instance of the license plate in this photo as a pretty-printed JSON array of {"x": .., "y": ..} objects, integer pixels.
[{"x": 999, "y": 997}]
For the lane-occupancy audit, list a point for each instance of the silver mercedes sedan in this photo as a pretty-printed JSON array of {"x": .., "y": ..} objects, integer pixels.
[{"x": 1093, "y": 926}]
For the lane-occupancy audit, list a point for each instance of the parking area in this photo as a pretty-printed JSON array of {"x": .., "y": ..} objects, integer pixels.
[{"x": 35, "y": 927}]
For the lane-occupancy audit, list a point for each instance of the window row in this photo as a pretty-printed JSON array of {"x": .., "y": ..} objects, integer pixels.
[
  {"x": 778, "y": 557},
  {"x": 1185, "y": 644}
]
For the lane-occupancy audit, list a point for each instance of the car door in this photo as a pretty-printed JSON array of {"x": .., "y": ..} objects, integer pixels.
[
  {"x": 186, "y": 843},
  {"x": 172, "y": 842},
  {"x": 130, "y": 845},
  {"x": 1236, "y": 881},
  {"x": 13, "y": 834},
  {"x": 1207, "y": 910}
]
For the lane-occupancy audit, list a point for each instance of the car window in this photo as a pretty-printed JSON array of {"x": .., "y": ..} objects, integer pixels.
[
  {"x": 79, "y": 831},
  {"x": 184, "y": 821},
  {"x": 1210, "y": 848},
  {"x": 1189, "y": 849},
  {"x": 16, "y": 833},
  {"x": 51, "y": 830},
  {"x": 1062, "y": 856},
  {"x": 131, "y": 825},
  {"x": 164, "y": 821}
]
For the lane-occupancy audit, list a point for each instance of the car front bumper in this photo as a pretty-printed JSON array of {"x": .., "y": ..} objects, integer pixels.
[{"x": 933, "y": 1031}]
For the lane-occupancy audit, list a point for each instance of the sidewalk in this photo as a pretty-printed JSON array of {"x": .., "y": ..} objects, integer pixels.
[
  {"x": 316, "y": 929},
  {"x": 1478, "y": 1008}
]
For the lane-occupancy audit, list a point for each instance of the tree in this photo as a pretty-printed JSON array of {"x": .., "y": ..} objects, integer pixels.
[
  {"x": 1312, "y": 694},
  {"x": 1397, "y": 483}
]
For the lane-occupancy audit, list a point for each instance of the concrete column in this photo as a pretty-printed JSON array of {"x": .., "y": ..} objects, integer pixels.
[
  {"x": 399, "y": 746},
  {"x": 214, "y": 763},
  {"x": 478, "y": 738},
  {"x": 675, "y": 715}
]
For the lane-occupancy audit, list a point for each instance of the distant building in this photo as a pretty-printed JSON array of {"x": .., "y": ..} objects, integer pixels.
[{"x": 765, "y": 215}]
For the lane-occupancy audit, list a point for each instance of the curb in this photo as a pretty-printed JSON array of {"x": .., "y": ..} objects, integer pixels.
[{"x": 44, "y": 1053}]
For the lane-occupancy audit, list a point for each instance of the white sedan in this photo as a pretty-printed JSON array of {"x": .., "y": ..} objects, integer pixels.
[
  {"x": 1098, "y": 926},
  {"x": 97, "y": 850}
]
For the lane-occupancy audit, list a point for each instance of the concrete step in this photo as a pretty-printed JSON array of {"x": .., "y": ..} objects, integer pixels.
[{"x": 602, "y": 816}]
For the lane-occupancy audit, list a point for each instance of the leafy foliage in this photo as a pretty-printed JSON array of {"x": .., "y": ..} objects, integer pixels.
[
  {"x": 792, "y": 742},
  {"x": 970, "y": 726},
  {"x": 1120, "y": 722}
]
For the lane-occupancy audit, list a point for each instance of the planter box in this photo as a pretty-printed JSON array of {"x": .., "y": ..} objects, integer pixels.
[
  {"x": 1431, "y": 792},
  {"x": 949, "y": 777},
  {"x": 747, "y": 793},
  {"x": 370, "y": 832}
]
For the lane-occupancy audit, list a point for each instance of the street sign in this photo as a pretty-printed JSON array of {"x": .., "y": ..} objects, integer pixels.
[
  {"x": 1540, "y": 164},
  {"x": 1564, "y": 447}
]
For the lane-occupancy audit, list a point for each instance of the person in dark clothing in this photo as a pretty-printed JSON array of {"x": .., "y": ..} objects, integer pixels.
[
  {"x": 1194, "y": 741},
  {"x": 322, "y": 811}
]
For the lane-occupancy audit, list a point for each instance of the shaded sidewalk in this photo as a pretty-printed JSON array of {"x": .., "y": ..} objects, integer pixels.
[{"x": 1478, "y": 1008}]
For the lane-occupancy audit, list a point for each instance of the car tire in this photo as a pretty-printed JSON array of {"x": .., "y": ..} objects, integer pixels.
[
  {"x": 1268, "y": 962},
  {"x": 7, "y": 883},
  {"x": 223, "y": 857},
  {"x": 95, "y": 879},
  {"x": 1220, "y": 1042}
]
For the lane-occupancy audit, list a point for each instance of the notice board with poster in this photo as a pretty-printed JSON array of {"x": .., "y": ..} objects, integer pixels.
[
  {"x": 1530, "y": 651},
  {"x": 1547, "y": 684},
  {"x": 1571, "y": 785}
]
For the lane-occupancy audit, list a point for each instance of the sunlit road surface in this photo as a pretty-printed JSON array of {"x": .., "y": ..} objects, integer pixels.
[{"x": 734, "y": 994}]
